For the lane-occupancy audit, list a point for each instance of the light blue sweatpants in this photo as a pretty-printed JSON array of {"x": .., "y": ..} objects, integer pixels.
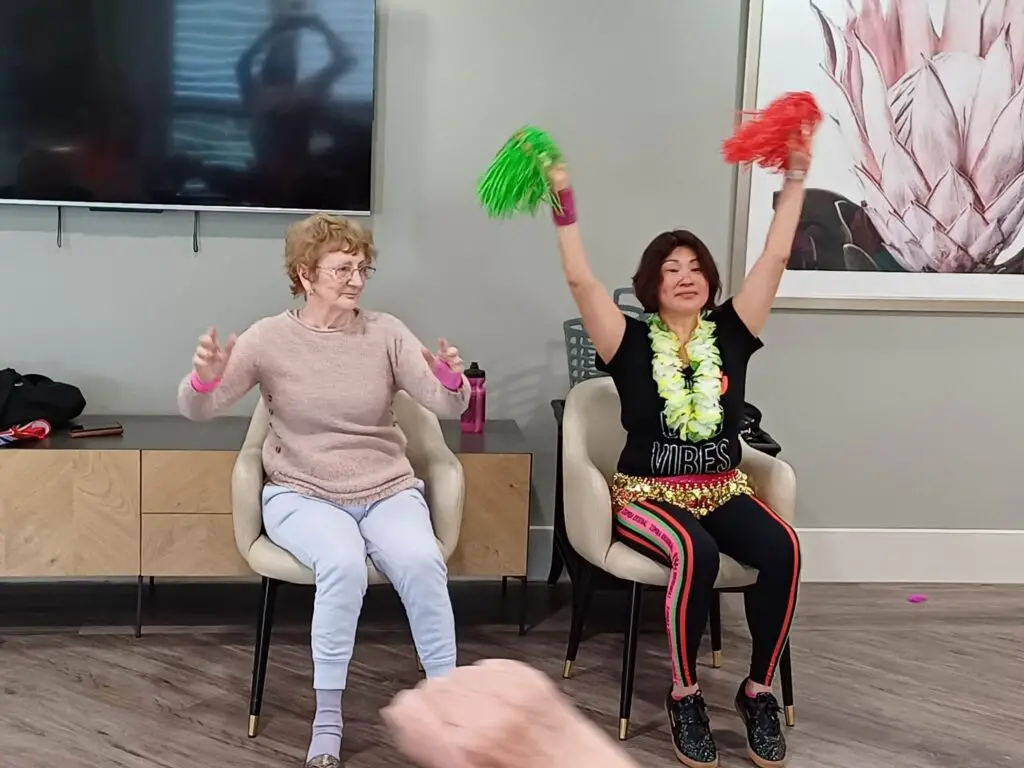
[{"x": 334, "y": 541}]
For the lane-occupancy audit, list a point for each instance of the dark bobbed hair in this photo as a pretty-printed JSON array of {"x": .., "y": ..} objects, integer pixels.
[{"x": 647, "y": 280}]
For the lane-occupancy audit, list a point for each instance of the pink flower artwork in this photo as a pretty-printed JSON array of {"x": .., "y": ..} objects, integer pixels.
[{"x": 933, "y": 116}]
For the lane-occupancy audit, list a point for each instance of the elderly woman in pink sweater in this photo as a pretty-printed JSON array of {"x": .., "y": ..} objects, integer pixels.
[{"x": 339, "y": 486}]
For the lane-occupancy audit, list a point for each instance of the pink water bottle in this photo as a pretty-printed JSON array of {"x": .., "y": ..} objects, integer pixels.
[{"x": 475, "y": 415}]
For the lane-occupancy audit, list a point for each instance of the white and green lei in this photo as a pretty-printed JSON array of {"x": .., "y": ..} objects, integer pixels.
[{"x": 693, "y": 407}]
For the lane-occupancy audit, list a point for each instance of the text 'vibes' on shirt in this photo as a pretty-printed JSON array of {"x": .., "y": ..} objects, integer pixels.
[{"x": 653, "y": 449}]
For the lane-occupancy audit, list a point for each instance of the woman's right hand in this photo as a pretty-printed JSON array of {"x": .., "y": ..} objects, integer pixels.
[
  {"x": 602, "y": 319},
  {"x": 559, "y": 177},
  {"x": 211, "y": 360}
]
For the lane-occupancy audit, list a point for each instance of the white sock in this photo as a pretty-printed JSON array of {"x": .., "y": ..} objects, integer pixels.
[{"x": 326, "y": 725}]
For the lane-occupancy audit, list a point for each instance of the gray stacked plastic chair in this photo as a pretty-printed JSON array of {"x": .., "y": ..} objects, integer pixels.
[{"x": 579, "y": 350}]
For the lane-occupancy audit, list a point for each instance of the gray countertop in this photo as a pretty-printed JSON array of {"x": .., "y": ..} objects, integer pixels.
[{"x": 175, "y": 433}]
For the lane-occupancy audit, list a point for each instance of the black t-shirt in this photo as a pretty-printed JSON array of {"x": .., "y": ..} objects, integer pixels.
[{"x": 654, "y": 450}]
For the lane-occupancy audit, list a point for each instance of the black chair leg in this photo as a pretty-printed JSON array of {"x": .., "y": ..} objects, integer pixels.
[
  {"x": 786, "y": 678},
  {"x": 581, "y": 590},
  {"x": 138, "y": 608},
  {"x": 557, "y": 565},
  {"x": 629, "y": 660},
  {"x": 559, "y": 559},
  {"x": 261, "y": 652},
  {"x": 716, "y": 630}
]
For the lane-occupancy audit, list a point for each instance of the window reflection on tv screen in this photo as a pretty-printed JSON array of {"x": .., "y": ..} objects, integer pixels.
[{"x": 191, "y": 103}]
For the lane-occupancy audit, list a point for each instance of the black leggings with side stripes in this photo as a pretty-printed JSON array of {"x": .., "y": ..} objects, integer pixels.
[{"x": 743, "y": 528}]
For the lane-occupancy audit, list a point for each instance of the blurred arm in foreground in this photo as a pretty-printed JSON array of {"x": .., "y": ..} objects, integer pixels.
[{"x": 497, "y": 714}]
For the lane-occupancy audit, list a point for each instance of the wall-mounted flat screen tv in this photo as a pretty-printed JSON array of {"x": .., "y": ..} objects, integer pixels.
[{"x": 193, "y": 104}]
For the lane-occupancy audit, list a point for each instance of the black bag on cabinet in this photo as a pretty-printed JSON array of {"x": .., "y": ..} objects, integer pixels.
[
  {"x": 754, "y": 434},
  {"x": 26, "y": 397}
]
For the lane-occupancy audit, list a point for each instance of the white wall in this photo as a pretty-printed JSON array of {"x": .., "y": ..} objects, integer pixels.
[{"x": 639, "y": 99}]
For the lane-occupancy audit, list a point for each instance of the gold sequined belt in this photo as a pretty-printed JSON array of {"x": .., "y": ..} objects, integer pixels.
[{"x": 698, "y": 494}]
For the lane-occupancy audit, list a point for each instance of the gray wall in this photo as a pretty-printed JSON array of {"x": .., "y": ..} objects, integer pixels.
[
  {"x": 897, "y": 421},
  {"x": 640, "y": 101}
]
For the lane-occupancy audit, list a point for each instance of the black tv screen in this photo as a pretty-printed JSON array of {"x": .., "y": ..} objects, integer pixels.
[{"x": 196, "y": 104}]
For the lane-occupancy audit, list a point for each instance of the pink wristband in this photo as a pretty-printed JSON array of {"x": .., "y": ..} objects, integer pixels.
[
  {"x": 567, "y": 200},
  {"x": 449, "y": 379},
  {"x": 203, "y": 387}
]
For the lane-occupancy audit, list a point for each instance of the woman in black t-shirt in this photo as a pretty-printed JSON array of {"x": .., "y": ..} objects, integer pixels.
[{"x": 678, "y": 495}]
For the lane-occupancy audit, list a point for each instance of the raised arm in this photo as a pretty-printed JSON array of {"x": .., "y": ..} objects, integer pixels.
[
  {"x": 435, "y": 382},
  {"x": 754, "y": 300},
  {"x": 341, "y": 59},
  {"x": 602, "y": 320},
  {"x": 220, "y": 376}
]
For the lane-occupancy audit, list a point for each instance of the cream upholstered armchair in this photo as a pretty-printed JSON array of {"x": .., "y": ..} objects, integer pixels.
[
  {"x": 431, "y": 459},
  {"x": 592, "y": 440}
]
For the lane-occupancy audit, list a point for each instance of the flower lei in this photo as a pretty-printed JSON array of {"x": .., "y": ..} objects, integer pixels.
[{"x": 694, "y": 409}]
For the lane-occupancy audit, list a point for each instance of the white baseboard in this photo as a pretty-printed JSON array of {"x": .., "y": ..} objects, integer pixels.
[{"x": 912, "y": 555}]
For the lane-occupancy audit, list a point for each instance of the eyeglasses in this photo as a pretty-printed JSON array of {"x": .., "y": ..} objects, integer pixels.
[{"x": 344, "y": 273}]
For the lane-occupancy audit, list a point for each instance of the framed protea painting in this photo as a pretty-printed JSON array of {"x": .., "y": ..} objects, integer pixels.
[{"x": 916, "y": 194}]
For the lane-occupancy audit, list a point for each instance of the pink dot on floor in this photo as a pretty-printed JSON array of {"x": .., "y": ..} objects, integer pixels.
[{"x": 917, "y": 599}]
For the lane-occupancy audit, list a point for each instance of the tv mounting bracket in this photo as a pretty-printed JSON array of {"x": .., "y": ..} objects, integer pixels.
[{"x": 60, "y": 222}]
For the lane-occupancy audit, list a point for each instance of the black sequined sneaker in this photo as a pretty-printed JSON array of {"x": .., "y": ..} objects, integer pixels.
[
  {"x": 691, "y": 731},
  {"x": 766, "y": 745}
]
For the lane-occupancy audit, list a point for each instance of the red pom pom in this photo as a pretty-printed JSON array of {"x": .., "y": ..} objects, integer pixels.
[{"x": 766, "y": 139}]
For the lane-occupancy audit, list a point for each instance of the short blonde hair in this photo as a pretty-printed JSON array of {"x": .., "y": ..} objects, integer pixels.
[{"x": 309, "y": 240}]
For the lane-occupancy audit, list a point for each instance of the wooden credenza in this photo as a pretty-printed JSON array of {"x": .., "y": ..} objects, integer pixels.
[{"x": 157, "y": 502}]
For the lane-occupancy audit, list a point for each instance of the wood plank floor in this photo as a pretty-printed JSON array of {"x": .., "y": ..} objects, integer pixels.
[{"x": 879, "y": 682}]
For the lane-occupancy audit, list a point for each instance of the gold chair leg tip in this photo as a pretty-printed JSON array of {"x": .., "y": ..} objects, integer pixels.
[
  {"x": 716, "y": 659},
  {"x": 623, "y": 728},
  {"x": 254, "y": 725},
  {"x": 790, "y": 716},
  {"x": 566, "y": 669}
]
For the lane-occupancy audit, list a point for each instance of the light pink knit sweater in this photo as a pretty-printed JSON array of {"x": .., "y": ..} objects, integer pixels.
[{"x": 329, "y": 392}]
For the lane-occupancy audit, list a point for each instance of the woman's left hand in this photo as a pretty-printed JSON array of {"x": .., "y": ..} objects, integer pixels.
[
  {"x": 447, "y": 354},
  {"x": 800, "y": 151}
]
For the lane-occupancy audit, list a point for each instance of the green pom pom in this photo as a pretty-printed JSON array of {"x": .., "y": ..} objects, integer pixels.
[{"x": 517, "y": 180}]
